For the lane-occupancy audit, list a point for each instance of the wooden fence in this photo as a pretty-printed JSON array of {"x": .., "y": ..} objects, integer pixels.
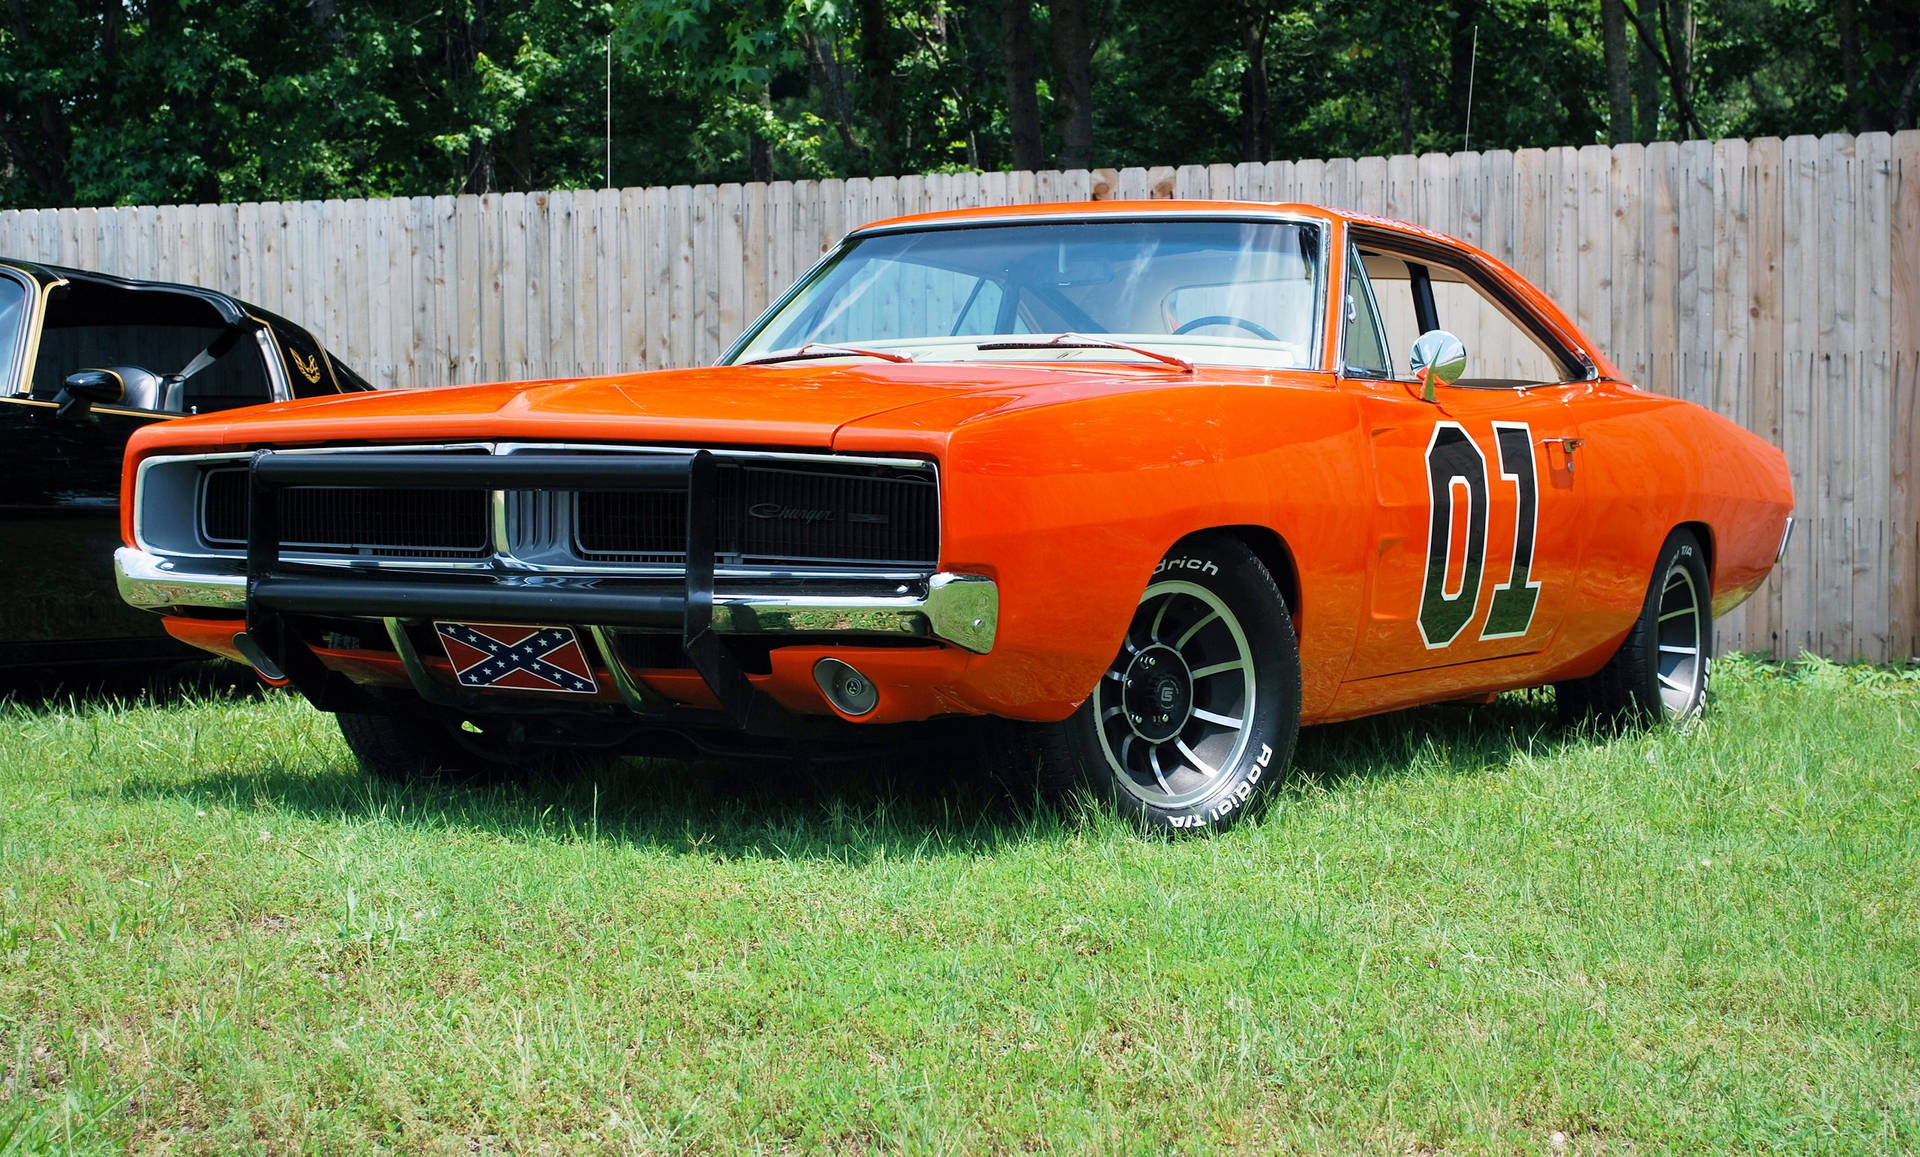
[{"x": 1775, "y": 281}]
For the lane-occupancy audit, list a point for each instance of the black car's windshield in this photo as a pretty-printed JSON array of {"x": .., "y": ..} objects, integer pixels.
[
  {"x": 13, "y": 319},
  {"x": 1236, "y": 292}
]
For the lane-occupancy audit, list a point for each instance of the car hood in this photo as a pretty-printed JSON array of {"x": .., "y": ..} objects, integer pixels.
[{"x": 788, "y": 406}]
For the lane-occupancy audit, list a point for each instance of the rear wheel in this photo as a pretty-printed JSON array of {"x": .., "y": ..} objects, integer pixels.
[
  {"x": 1202, "y": 704},
  {"x": 1660, "y": 671}
]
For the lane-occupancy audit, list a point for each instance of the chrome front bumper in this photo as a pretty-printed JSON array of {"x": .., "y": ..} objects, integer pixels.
[{"x": 953, "y": 608}]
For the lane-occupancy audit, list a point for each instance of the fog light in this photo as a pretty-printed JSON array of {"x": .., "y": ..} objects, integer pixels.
[{"x": 846, "y": 688}]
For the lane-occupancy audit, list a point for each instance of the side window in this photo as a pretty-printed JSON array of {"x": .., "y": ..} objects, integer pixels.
[
  {"x": 1501, "y": 353},
  {"x": 13, "y": 320},
  {"x": 1365, "y": 345},
  {"x": 173, "y": 351}
]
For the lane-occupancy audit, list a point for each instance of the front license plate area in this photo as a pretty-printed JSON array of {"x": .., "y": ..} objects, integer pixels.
[{"x": 506, "y": 657}]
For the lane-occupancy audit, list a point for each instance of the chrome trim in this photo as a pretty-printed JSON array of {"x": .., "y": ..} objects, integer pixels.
[
  {"x": 721, "y": 452},
  {"x": 150, "y": 581},
  {"x": 503, "y": 555},
  {"x": 1786, "y": 536},
  {"x": 140, "y": 478},
  {"x": 497, "y": 507},
  {"x": 965, "y": 609},
  {"x": 638, "y": 697},
  {"x": 956, "y": 608},
  {"x": 36, "y": 323},
  {"x": 1265, "y": 212},
  {"x": 1228, "y": 211},
  {"x": 959, "y": 609},
  {"x": 21, "y": 349},
  {"x": 424, "y": 684}
]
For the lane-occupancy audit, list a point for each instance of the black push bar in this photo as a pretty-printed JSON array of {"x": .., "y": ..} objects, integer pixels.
[{"x": 274, "y": 591}]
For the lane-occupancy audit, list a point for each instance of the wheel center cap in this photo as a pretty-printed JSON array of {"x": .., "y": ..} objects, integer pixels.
[{"x": 1159, "y": 694}]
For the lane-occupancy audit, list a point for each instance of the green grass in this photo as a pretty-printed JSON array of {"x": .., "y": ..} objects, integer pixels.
[{"x": 1454, "y": 930}]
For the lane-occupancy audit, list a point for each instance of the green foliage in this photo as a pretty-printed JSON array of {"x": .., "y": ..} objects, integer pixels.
[
  {"x": 141, "y": 101},
  {"x": 1456, "y": 930}
]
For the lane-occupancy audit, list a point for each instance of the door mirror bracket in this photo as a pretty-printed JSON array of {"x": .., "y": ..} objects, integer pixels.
[
  {"x": 1437, "y": 358},
  {"x": 86, "y": 388}
]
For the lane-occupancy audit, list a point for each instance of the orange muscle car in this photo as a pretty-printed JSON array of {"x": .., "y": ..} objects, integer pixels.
[{"x": 1153, "y": 484}]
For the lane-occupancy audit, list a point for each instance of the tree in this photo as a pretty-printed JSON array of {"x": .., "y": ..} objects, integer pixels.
[
  {"x": 127, "y": 101},
  {"x": 1023, "y": 103},
  {"x": 1073, "y": 82},
  {"x": 1613, "y": 24},
  {"x": 1256, "y": 135},
  {"x": 1672, "y": 53}
]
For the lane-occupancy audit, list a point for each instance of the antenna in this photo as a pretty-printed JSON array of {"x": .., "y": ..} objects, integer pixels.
[
  {"x": 610, "y": 105},
  {"x": 1473, "y": 62}
]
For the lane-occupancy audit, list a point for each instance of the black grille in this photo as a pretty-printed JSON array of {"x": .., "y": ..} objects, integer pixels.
[
  {"x": 768, "y": 515},
  {"x": 771, "y": 515},
  {"x": 631, "y": 525},
  {"x": 381, "y": 523}
]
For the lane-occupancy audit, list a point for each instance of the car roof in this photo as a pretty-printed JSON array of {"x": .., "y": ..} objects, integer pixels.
[
  {"x": 1277, "y": 210},
  {"x": 1084, "y": 209},
  {"x": 231, "y": 309}
]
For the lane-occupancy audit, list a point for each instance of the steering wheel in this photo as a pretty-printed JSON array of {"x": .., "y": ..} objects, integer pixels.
[{"x": 1254, "y": 328}]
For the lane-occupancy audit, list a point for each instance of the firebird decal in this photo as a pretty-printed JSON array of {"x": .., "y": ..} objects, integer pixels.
[
  {"x": 1454, "y": 460},
  {"x": 309, "y": 367}
]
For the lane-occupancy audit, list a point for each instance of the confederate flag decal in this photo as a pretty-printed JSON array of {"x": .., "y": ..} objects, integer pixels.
[{"x": 516, "y": 658}]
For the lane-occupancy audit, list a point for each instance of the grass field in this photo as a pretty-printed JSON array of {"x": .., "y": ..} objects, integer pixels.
[{"x": 1455, "y": 931}]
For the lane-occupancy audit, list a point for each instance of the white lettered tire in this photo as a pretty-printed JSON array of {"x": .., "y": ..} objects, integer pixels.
[{"x": 1201, "y": 708}]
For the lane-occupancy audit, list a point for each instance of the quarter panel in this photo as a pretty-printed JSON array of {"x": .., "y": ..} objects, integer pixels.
[{"x": 1652, "y": 463}]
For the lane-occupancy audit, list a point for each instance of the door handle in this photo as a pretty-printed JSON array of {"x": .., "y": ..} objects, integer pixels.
[{"x": 1567, "y": 446}]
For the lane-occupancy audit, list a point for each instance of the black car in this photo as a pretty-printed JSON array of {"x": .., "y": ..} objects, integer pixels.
[{"x": 85, "y": 359}]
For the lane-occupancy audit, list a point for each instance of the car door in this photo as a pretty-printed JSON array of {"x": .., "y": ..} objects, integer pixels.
[
  {"x": 1478, "y": 527},
  {"x": 60, "y": 515}
]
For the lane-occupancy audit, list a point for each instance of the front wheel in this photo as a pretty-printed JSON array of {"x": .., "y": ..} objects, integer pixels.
[
  {"x": 1201, "y": 705},
  {"x": 408, "y": 749}
]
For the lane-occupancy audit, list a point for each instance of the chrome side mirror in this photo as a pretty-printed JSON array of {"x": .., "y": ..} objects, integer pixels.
[{"x": 1439, "y": 358}]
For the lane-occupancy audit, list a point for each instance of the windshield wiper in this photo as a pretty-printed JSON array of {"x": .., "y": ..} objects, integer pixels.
[
  {"x": 814, "y": 349},
  {"x": 1080, "y": 341}
]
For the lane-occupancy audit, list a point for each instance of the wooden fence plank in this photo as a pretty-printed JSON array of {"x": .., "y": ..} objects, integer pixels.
[
  {"x": 1903, "y": 410},
  {"x": 1798, "y": 335},
  {"x": 1834, "y": 407},
  {"x": 1627, "y": 341},
  {"x": 1762, "y": 307},
  {"x": 1593, "y": 229},
  {"x": 1870, "y": 388},
  {"x": 659, "y": 279}
]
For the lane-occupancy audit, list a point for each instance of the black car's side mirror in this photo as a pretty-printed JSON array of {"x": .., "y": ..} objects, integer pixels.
[{"x": 85, "y": 388}]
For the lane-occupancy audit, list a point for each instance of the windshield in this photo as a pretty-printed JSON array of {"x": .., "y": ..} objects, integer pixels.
[{"x": 1212, "y": 291}]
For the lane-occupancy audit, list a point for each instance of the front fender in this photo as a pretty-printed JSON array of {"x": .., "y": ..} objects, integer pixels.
[{"x": 1070, "y": 506}]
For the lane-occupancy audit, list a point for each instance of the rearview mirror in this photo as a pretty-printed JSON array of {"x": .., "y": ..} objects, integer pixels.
[
  {"x": 1438, "y": 358},
  {"x": 85, "y": 388}
]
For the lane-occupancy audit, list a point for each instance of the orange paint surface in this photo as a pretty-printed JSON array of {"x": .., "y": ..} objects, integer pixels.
[{"x": 1066, "y": 483}]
